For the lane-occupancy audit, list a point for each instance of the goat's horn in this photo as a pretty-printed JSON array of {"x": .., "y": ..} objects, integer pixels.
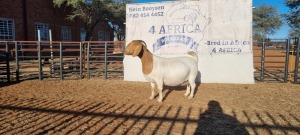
[{"x": 143, "y": 42}]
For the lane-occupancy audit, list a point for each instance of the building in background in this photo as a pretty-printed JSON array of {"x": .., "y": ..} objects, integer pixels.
[{"x": 21, "y": 19}]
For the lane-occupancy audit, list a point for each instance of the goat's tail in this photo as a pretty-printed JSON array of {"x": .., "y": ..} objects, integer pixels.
[{"x": 194, "y": 55}]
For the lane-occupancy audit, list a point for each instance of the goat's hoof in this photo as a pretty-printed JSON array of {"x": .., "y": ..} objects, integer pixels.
[
  {"x": 186, "y": 94},
  {"x": 152, "y": 97},
  {"x": 190, "y": 97},
  {"x": 159, "y": 100}
]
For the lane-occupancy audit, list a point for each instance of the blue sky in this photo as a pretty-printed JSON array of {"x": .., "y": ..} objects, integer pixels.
[{"x": 278, "y": 4}]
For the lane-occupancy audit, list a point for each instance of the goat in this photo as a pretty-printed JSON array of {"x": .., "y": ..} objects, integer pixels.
[{"x": 161, "y": 71}]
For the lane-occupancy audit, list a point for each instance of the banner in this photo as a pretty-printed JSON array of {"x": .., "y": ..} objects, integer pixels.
[
  {"x": 220, "y": 31},
  {"x": 203, "y": 26}
]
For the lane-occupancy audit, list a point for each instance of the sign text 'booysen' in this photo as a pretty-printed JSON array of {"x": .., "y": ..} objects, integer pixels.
[
  {"x": 146, "y": 8},
  {"x": 146, "y": 11}
]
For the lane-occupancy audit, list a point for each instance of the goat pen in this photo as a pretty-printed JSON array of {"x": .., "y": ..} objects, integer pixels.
[{"x": 275, "y": 60}]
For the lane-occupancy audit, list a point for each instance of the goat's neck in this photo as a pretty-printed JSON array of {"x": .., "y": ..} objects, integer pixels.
[{"x": 147, "y": 60}]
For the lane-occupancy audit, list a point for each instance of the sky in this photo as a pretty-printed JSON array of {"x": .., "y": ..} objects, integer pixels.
[{"x": 278, "y": 4}]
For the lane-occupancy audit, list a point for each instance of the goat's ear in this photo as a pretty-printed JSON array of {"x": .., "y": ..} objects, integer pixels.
[{"x": 137, "y": 50}]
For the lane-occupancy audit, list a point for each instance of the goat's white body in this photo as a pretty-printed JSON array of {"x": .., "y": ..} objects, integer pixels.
[{"x": 173, "y": 72}]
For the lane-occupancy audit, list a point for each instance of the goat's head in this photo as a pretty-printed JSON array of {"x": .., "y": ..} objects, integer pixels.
[{"x": 134, "y": 47}]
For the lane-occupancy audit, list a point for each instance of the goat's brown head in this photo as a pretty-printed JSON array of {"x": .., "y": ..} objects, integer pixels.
[
  {"x": 134, "y": 47},
  {"x": 139, "y": 48}
]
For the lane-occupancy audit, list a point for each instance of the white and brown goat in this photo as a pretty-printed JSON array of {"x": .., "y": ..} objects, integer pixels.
[{"x": 161, "y": 71}]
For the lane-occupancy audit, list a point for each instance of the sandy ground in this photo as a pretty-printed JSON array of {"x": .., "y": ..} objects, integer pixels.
[{"x": 119, "y": 107}]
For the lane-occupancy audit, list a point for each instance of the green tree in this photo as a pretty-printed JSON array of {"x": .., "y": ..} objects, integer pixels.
[
  {"x": 266, "y": 21},
  {"x": 118, "y": 23},
  {"x": 92, "y": 12},
  {"x": 293, "y": 18}
]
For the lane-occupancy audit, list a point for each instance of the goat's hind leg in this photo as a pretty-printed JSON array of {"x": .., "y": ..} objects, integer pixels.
[
  {"x": 188, "y": 90},
  {"x": 193, "y": 86}
]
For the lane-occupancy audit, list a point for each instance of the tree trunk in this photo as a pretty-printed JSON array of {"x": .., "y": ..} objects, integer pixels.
[{"x": 89, "y": 35}]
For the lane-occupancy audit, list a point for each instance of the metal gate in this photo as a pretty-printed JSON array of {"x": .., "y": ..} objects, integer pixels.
[
  {"x": 23, "y": 60},
  {"x": 5, "y": 61},
  {"x": 276, "y": 60}
]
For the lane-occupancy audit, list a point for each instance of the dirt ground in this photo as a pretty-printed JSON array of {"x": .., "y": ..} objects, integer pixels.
[{"x": 97, "y": 106}]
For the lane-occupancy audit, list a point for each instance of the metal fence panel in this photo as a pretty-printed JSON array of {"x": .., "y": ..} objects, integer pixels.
[
  {"x": 60, "y": 60},
  {"x": 4, "y": 62},
  {"x": 271, "y": 60},
  {"x": 105, "y": 60},
  {"x": 275, "y": 60}
]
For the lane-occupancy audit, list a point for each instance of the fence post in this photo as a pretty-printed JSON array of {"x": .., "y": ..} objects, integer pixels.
[
  {"x": 123, "y": 51},
  {"x": 262, "y": 61},
  {"x": 88, "y": 60},
  {"x": 40, "y": 60},
  {"x": 80, "y": 60},
  {"x": 17, "y": 62},
  {"x": 60, "y": 61},
  {"x": 51, "y": 54},
  {"x": 105, "y": 60},
  {"x": 7, "y": 62},
  {"x": 287, "y": 59},
  {"x": 297, "y": 60}
]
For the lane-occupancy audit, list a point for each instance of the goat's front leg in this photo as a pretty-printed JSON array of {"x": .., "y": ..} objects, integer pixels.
[
  {"x": 152, "y": 90},
  {"x": 160, "y": 88}
]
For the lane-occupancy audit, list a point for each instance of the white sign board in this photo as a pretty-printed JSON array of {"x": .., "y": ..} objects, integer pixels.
[{"x": 219, "y": 31}]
